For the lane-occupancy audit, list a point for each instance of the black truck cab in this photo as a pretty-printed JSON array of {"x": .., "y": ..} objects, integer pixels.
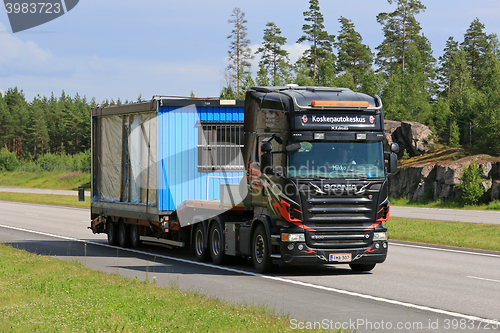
[{"x": 316, "y": 171}]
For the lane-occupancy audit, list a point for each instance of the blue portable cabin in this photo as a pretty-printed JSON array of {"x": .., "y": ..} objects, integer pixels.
[
  {"x": 200, "y": 149},
  {"x": 150, "y": 157}
]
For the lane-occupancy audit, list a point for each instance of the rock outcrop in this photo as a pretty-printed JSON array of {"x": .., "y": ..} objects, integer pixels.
[
  {"x": 439, "y": 180},
  {"x": 411, "y": 136}
]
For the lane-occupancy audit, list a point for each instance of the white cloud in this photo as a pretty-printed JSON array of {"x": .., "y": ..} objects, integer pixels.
[
  {"x": 295, "y": 51},
  {"x": 105, "y": 78},
  {"x": 2, "y": 92},
  {"x": 24, "y": 56}
]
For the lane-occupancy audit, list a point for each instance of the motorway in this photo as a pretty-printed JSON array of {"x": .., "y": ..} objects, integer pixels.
[
  {"x": 471, "y": 216},
  {"x": 418, "y": 289}
]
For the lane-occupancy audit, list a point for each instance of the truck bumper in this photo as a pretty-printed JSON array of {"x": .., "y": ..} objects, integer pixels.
[{"x": 376, "y": 253}]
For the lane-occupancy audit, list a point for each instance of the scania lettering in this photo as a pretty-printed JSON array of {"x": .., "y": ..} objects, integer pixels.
[{"x": 290, "y": 176}]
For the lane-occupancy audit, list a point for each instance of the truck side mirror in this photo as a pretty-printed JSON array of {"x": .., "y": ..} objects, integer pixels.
[
  {"x": 393, "y": 163},
  {"x": 394, "y": 147},
  {"x": 266, "y": 158},
  {"x": 266, "y": 147},
  {"x": 293, "y": 148}
]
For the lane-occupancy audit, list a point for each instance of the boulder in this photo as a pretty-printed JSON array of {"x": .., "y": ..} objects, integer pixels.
[
  {"x": 495, "y": 190},
  {"x": 413, "y": 137},
  {"x": 417, "y": 136}
]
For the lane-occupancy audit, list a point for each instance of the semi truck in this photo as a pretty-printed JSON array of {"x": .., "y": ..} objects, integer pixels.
[{"x": 289, "y": 176}]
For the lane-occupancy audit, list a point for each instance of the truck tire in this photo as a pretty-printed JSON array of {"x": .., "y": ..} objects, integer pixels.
[
  {"x": 135, "y": 237},
  {"x": 216, "y": 244},
  {"x": 362, "y": 267},
  {"x": 200, "y": 251},
  {"x": 123, "y": 235},
  {"x": 112, "y": 231},
  {"x": 261, "y": 255}
]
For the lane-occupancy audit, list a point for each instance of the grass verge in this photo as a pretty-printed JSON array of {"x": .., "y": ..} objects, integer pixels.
[
  {"x": 493, "y": 205},
  {"x": 40, "y": 293},
  {"x": 461, "y": 234},
  {"x": 58, "y": 180},
  {"x": 46, "y": 199}
]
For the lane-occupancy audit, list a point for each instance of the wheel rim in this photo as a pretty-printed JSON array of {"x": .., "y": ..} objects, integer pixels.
[
  {"x": 215, "y": 241},
  {"x": 259, "y": 249},
  {"x": 199, "y": 242}
]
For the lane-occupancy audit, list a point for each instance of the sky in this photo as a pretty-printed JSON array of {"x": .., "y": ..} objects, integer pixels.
[{"x": 122, "y": 48}]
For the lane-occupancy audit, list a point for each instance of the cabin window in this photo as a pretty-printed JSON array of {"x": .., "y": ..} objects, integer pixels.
[{"x": 220, "y": 147}]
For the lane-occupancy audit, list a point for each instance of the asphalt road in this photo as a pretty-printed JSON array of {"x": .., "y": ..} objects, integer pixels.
[
  {"x": 473, "y": 216},
  {"x": 418, "y": 288},
  {"x": 40, "y": 191}
]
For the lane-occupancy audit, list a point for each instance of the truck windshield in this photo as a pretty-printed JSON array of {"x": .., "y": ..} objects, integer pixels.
[{"x": 345, "y": 160}]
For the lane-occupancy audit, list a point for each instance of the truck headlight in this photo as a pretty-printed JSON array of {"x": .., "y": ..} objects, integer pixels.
[
  {"x": 293, "y": 237},
  {"x": 380, "y": 236}
]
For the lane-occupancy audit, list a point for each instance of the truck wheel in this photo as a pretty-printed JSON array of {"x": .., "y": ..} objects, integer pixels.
[
  {"x": 261, "y": 255},
  {"x": 362, "y": 267},
  {"x": 135, "y": 237},
  {"x": 112, "y": 231},
  {"x": 199, "y": 243},
  {"x": 123, "y": 235},
  {"x": 216, "y": 244}
]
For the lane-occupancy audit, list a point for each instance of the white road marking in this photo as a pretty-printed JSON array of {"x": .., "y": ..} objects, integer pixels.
[
  {"x": 31, "y": 214},
  {"x": 447, "y": 250},
  {"x": 275, "y": 278},
  {"x": 485, "y": 279}
]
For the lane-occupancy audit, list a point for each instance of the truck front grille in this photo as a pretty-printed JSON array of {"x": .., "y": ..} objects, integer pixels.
[
  {"x": 339, "y": 239},
  {"x": 339, "y": 209}
]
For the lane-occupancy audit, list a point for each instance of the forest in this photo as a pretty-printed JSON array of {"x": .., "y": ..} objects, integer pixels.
[{"x": 456, "y": 95}]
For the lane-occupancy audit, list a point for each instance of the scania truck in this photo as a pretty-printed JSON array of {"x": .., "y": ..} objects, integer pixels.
[{"x": 291, "y": 175}]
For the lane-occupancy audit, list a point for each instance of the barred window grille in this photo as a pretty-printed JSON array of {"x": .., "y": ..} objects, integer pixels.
[{"x": 219, "y": 147}]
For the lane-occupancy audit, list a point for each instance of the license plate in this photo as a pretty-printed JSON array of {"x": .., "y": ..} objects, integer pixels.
[{"x": 341, "y": 257}]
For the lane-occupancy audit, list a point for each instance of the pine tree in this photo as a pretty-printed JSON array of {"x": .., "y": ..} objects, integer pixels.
[
  {"x": 475, "y": 45},
  {"x": 471, "y": 187},
  {"x": 353, "y": 56},
  {"x": 447, "y": 70},
  {"x": 454, "y": 140},
  {"x": 262, "y": 78},
  {"x": 239, "y": 52},
  {"x": 392, "y": 96},
  {"x": 416, "y": 96},
  {"x": 6, "y": 123},
  {"x": 321, "y": 41},
  {"x": 371, "y": 83},
  {"x": 273, "y": 55},
  {"x": 18, "y": 119},
  {"x": 428, "y": 61},
  {"x": 247, "y": 82},
  {"x": 487, "y": 135},
  {"x": 38, "y": 135},
  {"x": 400, "y": 32},
  {"x": 326, "y": 71},
  {"x": 302, "y": 74}
]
